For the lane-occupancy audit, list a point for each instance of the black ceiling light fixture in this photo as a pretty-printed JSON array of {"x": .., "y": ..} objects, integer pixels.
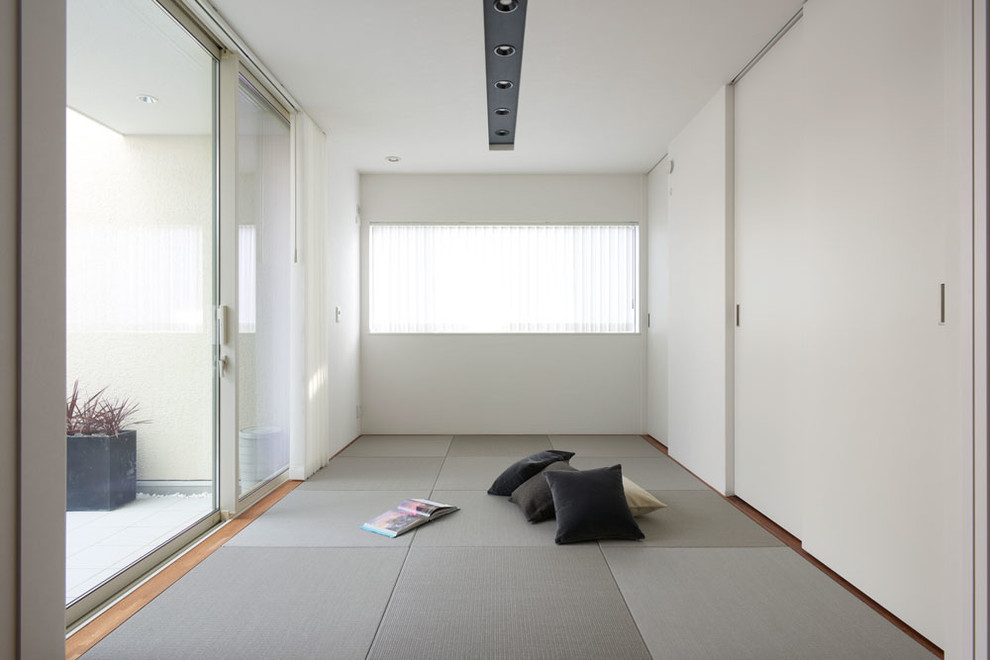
[{"x": 505, "y": 23}]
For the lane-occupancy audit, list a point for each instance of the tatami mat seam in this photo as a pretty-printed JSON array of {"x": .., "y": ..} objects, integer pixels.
[
  {"x": 623, "y": 597},
  {"x": 436, "y": 479},
  {"x": 381, "y": 619}
]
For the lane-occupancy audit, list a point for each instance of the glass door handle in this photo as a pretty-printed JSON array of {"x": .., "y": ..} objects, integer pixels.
[
  {"x": 222, "y": 365},
  {"x": 222, "y": 324}
]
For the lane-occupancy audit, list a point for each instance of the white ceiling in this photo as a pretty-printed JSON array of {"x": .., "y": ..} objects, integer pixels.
[
  {"x": 118, "y": 49},
  {"x": 606, "y": 84}
]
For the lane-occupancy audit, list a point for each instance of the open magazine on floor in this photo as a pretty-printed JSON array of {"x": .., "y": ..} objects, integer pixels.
[{"x": 408, "y": 515}]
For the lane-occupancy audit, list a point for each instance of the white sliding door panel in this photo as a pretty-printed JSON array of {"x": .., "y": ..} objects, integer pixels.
[
  {"x": 772, "y": 255},
  {"x": 888, "y": 445},
  {"x": 700, "y": 233}
]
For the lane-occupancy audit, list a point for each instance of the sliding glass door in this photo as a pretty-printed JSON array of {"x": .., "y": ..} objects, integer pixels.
[
  {"x": 141, "y": 430},
  {"x": 264, "y": 251},
  {"x": 178, "y": 315}
]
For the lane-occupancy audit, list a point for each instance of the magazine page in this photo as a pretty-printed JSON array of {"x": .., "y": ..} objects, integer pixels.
[
  {"x": 421, "y": 507},
  {"x": 394, "y": 522}
]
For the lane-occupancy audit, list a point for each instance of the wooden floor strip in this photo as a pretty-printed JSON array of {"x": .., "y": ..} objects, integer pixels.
[
  {"x": 87, "y": 637},
  {"x": 794, "y": 543}
]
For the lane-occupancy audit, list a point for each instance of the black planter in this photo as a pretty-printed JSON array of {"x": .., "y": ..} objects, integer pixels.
[{"x": 101, "y": 471}]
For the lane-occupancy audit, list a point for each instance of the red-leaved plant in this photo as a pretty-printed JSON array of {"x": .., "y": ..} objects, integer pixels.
[{"x": 98, "y": 414}]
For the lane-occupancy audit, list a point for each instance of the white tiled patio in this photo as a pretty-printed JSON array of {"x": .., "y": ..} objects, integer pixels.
[{"x": 99, "y": 544}]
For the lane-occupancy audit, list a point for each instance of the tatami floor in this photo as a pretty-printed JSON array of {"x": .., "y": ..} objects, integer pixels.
[{"x": 304, "y": 581}]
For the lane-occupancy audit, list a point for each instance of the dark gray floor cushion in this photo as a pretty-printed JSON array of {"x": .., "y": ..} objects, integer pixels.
[
  {"x": 591, "y": 505},
  {"x": 534, "y": 496},
  {"x": 524, "y": 468}
]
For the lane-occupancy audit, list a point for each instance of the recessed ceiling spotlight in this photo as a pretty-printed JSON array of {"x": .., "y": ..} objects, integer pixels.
[
  {"x": 393, "y": 159},
  {"x": 505, "y": 27},
  {"x": 146, "y": 98}
]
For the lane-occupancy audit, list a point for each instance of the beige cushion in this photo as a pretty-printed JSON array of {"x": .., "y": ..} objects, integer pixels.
[{"x": 640, "y": 501}]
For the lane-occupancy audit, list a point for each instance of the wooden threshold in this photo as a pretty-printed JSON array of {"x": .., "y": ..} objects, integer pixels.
[
  {"x": 87, "y": 636},
  {"x": 794, "y": 543}
]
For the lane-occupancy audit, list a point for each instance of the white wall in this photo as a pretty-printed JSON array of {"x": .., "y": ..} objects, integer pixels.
[
  {"x": 886, "y": 479},
  {"x": 343, "y": 291},
  {"x": 772, "y": 257},
  {"x": 658, "y": 295},
  {"x": 502, "y": 383},
  {"x": 8, "y": 328},
  {"x": 700, "y": 262},
  {"x": 502, "y": 198}
]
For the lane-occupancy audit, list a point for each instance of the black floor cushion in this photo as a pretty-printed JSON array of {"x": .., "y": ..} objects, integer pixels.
[
  {"x": 524, "y": 468},
  {"x": 534, "y": 496},
  {"x": 591, "y": 505}
]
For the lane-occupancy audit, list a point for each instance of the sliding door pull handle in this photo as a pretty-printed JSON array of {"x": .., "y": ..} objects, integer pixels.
[
  {"x": 941, "y": 303},
  {"x": 222, "y": 324}
]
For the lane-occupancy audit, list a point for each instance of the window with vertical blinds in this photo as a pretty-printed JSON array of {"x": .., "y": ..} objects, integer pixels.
[{"x": 503, "y": 278}]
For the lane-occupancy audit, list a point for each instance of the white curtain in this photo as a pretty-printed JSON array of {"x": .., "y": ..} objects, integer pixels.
[
  {"x": 134, "y": 278},
  {"x": 247, "y": 278},
  {"x": 311, "y": 414},
  {"x": 503, "y": 278}
]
